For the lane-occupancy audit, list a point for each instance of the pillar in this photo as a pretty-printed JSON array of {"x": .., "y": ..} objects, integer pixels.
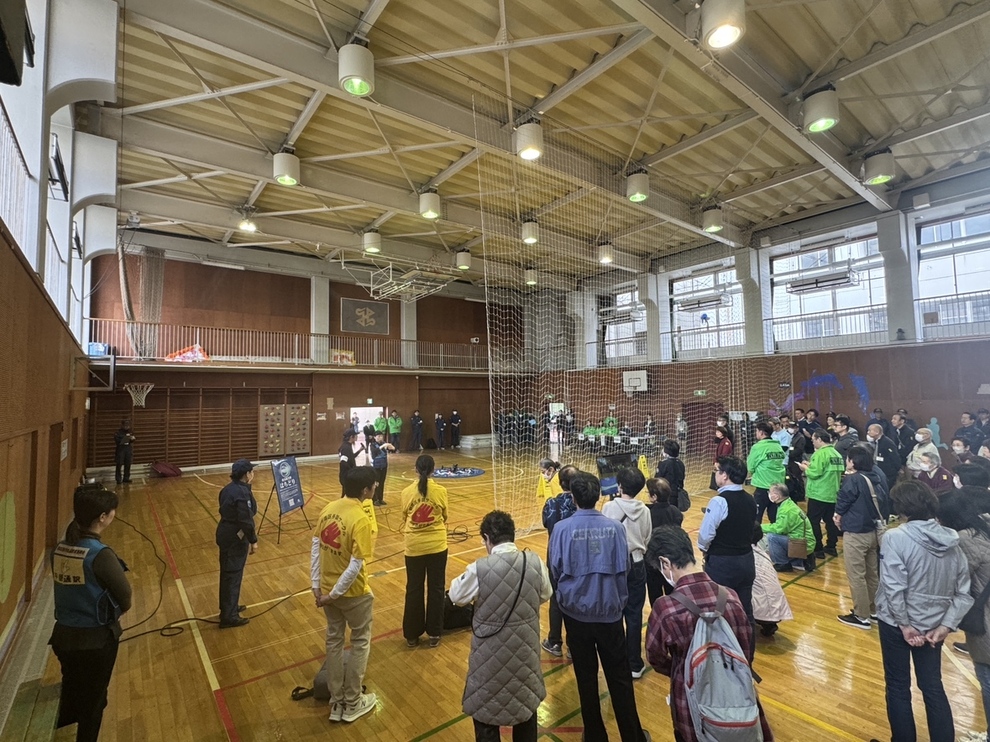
[
  {"x": 900, "y": 279},
  {"x": 319, "y": 319}
]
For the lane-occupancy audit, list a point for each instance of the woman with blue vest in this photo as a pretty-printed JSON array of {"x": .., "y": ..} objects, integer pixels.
[{"x": 91, "y": 593}]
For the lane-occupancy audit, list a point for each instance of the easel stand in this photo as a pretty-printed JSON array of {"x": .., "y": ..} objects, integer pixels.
[{"x": 264, "y": 515}]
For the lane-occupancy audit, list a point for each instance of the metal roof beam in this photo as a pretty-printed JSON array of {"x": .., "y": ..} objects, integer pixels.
[
  {"x": 701, "y": 137},
  {"x": 925, "y": 130},
  {"x": 774, "y": 182},
  {"x": 745, "y": 78},
  {"x": 912, "y": 41},
  {"x": 453, "y": 169},
  {"x": 209, "y": 95},
  {"x": 368, "y": 18},
  {"x": 502, "y": 46},
  {"x": 236, "y": 36},
  {"x": 600, "y": 66},
  {"x": 305, "y": 116}
]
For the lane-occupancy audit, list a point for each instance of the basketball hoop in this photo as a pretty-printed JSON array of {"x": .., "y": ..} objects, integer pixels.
[{"x": 138, "y": 392}]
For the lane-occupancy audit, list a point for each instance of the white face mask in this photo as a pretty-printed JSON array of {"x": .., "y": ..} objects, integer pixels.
[
  {"x": 668, "y": 577},
  {"x": 871, "y": 438},
  {"x": 919, "y": 437},
  {"x": 926, "y": 467},
  {"x": 958, "y": 449},
  {"x": 955, "y": 481}
]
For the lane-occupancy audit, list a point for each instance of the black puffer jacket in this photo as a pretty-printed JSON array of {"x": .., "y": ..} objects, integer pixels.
[{"x": 855, "y": 504}]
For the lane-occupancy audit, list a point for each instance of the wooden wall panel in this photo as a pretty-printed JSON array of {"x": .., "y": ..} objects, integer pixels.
[
  {"x": 207, "y": 296},
  {"x": 391, "y": 391},
  {"x": 443, "y": 320},
  {"x": 468, "y": 395},
  {"x": 350, "y": 291}
]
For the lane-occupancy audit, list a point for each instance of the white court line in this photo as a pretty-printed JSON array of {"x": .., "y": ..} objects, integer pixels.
[
  {"x": 204, "y": 656},
  {"x": 961, "y": 667}
]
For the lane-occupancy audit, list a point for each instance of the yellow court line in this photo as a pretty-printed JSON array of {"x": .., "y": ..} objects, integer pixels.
[
  {"x": 961, "y": 667},
  {"x": 204, "y": 656},
  {"x": 835, "y": 732}
]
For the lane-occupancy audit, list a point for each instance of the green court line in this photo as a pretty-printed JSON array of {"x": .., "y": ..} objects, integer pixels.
[
  {"x": 462, "y": 717},
  {"x": 552, "y": 737}
]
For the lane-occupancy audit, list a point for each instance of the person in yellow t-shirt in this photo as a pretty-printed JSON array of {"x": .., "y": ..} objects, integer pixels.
[
  {"x": 548, "y": 485},
  {"x": 424, "y": 522},
  {"x": 342, "y": 546}
]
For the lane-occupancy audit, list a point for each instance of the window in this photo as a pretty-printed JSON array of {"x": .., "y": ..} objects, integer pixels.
[
  {"x": 954, "y": 257},
  {"x": 707, "y": 310},
  {"x": 625, "y": 326}
]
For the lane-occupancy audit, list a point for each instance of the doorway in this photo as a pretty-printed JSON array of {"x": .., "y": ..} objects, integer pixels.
[{"x": 364, "y": 416}]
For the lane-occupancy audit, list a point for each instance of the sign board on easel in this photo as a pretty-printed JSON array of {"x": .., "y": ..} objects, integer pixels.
[{"x": 288, "y": 488}]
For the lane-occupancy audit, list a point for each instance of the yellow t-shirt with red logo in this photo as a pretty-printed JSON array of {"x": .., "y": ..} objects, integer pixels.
[
  {"x": 344, "y": 530},
  {"x": 424, "y": 519}
]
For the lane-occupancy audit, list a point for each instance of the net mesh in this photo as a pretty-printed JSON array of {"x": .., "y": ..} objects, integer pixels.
[
  {"x": 562, "y": 348},
  {"x": 138, "y": 392}
]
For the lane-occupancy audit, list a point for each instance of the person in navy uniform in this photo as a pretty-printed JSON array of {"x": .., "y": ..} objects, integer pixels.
[
  {"x": 379, "y": 451},
  {"x": 123, "y": 453},
  {"x": 441, "y": 425},
  {"x": 236, "y": 538},
  {"x": 91, "y": 593},
  {"x": 455, "y": 430},
  {"x": 416, "y": 423}
]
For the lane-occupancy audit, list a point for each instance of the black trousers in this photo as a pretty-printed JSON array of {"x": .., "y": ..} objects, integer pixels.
[
  {"x": 763, "y": 505},
  {"x": 556, "y": 633},
  {"x": 233, "y": 557},
  {"x": 737, "y": 573},
  {"x": 819, "y": 511},
  {"x": 379, "y": 495},
  {"x": 123, "y": 459},
  {"x": 524, "y": 731},
  {"x": 455, "y": 436},
  {"x": 85, "y": 678},
  {"x": 588, "y": 642},
  {"x": 431, "y": 568}
]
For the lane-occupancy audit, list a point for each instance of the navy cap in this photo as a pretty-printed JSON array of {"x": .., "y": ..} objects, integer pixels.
[{"x": 240, "y": 468}]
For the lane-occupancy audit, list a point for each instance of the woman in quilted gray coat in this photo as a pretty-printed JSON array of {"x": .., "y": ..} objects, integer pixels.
[{"x": 504, "y": 681}]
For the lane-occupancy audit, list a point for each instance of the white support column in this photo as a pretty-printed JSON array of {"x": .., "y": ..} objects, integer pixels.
[
  {"x": 409, "y": 334},
  {"x": 657, "y": 304},
  {"x": 748, "y": 274},
  {"x": 583, "y": 305},
  {"x": 319, "y": 319},
  {"x": 900, "y": 278}
]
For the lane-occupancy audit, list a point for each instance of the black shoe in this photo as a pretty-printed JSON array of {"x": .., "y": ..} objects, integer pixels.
[
  {"x": 851, "y": 619},
  {"x": 810, "y": 564},
  {"x": 379, "y": 504},
  {"x": 961, "y": 648},
  {"x": 831, "y": 551},
  {"x": 783, "y": 567},
  {"x": 241, "y": 608},
  {"x": 234, "y": 624},
  {"x": 127, "y": 481},
  {"x": 820, "y": 554}
]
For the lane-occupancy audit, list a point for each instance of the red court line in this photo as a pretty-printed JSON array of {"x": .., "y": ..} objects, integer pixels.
[
  {"x": 161, "y": 535},
  {"x": 294, "y": 665},
  {"x": 228, "y": 720}
]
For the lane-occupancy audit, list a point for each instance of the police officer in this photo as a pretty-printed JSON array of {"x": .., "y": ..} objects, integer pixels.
[
  {"x": 91, "y": 593},
  {"x": 236, "y": 538},
  {"x": 123, "y": 451},
  {"x": 455, "y": 430},
  {"x": 379, "y": 451},
  {"x": 417, "y": 432}
]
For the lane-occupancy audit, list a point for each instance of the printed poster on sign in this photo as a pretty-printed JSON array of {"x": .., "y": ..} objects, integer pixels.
[
  {"x": 287, "y": 484},
  {"x": 363, "y": 316}
]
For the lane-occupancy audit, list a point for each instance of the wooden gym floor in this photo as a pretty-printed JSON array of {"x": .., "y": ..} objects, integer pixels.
[{"x": 821, "y": 680}]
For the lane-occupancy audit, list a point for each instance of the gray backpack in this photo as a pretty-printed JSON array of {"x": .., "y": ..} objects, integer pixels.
[{"x": 718, "y": 679}]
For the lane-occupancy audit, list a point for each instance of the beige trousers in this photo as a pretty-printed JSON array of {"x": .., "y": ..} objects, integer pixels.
[
  {"x": 861, "y": 552},
  {"x": 344, "y": 682}
]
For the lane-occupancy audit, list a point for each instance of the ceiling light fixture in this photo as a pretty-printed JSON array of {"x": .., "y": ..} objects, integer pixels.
[
  {"x": 530, "y": 277},
  {"x": 723, "y": 22},
  {"x": 821, "y": 110},
  {"x": 638, "y": 186},
  {"x": 530, "y": 232},
  {"x": 711, "y": 219},
  {"x": 429, "y": 205},
  {"x": 463, "y": 260},
  {"x": 356, "y": 68},
  {"x": 372, "y": 242},
  {"x": 286, "y": 166},
  {"x": 247, "y": 223},
  {"x": 605, "y": 254},
  {"x": 880, "y": 167},
  {"x": 529, "y": 140}
]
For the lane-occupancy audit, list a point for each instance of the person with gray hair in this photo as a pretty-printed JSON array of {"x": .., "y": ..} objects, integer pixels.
[
  {"x": 923, "y": 445},
  {"x": 504, "y": 682}
]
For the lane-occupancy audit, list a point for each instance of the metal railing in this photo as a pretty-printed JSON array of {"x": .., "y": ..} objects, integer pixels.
[
  {"x": 14, "y": 180},
  {"x": 162, "y": 342},
  {"x": 56, "y": 273},
  {"x": 722, "y": 341},
  {"x": 842, "y": 328},
  {"x": 954, "y": 316}
]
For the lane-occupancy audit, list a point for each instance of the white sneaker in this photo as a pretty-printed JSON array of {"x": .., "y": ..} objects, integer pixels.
[
  {"x": 364, "y": 704},
  {"x": 337, "y": 711}
]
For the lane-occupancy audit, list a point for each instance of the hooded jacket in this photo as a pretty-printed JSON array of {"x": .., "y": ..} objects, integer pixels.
[
  {"x": 924, "y": 577},
  {"x": 635, "y": 518},
  {"x": 855, "y": 503}
]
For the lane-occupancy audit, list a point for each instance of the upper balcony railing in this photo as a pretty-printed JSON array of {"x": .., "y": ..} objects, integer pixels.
[
  {"x": 956, "y": 316},
  {"x": 14, "y": 179},
  {"x": 841, "y": 328},
  {"x": 191, "y": 344}
]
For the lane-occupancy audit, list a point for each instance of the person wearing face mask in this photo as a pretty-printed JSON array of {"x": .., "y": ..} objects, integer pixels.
[
  {"x": 936, "y": 476},
  {"x": 670, "y": 629},
  {"x": 723, "y": 447},
  {"x": 971, "y": 475},
  {"x": 791, "y": 523},
  {"x": 923, "y": 445},
  {"x": 884, "y": 451},
  {"x": 969, "y": 431},
  {"x": 961, "y": 450}
]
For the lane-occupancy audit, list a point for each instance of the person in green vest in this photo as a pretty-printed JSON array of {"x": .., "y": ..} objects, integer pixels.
[
  {"x": 766, "y": 468},
  {"x": 790, "y": 523},
  {"x": 381, "y": 424},
  {"x": 610, "y": 423},
  {"x": 824, "y": 477},
  {"x": 394, "y": 428}
]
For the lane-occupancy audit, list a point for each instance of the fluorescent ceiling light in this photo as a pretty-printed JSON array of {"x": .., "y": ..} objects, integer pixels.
[
  {"x": 637, "y": 187},
  {"x": 529, "y": 141},
  {"x": 880, "y": 167},
  {"x": 429, "y": 205},
  {"x": 605, "y": 254},
  {"x": 372, "y": 242},
  {"x": 286, "y": 166},
  {"x": 530, "y": 232},
  {"x": 530, "y": 276},
  {"x": 711, "y": 219},
  {"x": 463, "y": 260},
  {"x": 821, "y": 110},
  {"x": 356, "y": 69},
  {"x": 723, "y": 22}
]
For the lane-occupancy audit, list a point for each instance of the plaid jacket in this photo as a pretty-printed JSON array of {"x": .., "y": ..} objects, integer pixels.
[{"x": 668, "y": 638}]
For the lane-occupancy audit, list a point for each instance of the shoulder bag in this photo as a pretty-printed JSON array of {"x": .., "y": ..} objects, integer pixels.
[
  {"x": 879, "y": 524},
  {"x": 797, "y": 548}
]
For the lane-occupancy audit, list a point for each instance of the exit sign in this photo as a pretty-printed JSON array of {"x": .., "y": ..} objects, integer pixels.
[{"x": 701, "y": 392}]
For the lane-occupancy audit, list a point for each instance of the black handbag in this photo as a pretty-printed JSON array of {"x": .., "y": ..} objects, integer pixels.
[
  {"x": 973, "y": 622},
  {"x": 456, "y": 616},
  {"x": 683, "y": 500}
]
